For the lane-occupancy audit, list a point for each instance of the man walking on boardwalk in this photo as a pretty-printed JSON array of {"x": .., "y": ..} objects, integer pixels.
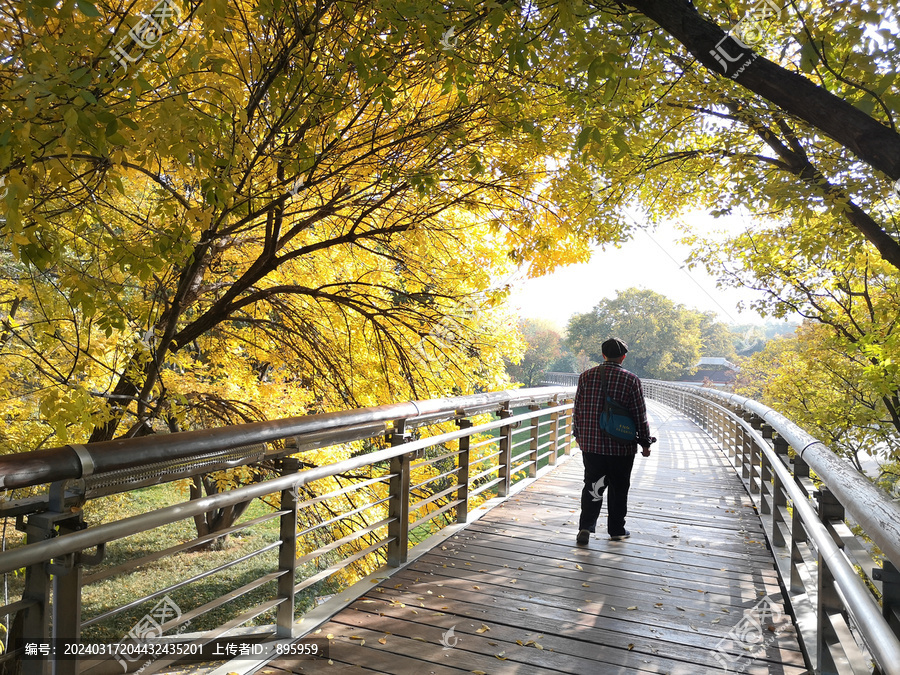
[{"x": 607, "y": 460}]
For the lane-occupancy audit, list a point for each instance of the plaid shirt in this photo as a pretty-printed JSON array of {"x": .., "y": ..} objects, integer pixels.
[{"x": 621, "y": 386}]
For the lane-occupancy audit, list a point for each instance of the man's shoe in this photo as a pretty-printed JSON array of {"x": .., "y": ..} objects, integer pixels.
[
  {"x": 582, "y": 538},
  {"x": 620, "y": 537}
]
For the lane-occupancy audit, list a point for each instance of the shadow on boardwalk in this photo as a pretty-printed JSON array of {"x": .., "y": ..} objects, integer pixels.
[{"x": 513, "y": 594}]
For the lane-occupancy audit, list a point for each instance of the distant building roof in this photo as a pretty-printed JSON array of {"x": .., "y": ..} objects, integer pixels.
[{"x": 718, "y": 362}]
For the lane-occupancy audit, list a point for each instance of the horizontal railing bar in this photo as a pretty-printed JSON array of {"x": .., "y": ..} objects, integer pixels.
[
  {"x": 352, "y": 487},
  {"x": 434, "y": 514},
  {"x": 16, "y": 606},
  {"x": 452, "y": 472},
  {"x": 182, "y": 584},
  {"x": 306, "y": 583},
  {"x": 484, "y": 473},
  {"x": 312, "y": 555},
  {"x": 342, "y": 516},
  {"x": 230, "y": 596},
  {"x": 53, "y": 464},
  {"x": 487, "y": 486},
  {"x": 426, "y": 462},
  {"x": 90, "y": 537},
  {"x": 137, "y": 562},
  {"x": 521, "y": 467},
  {"x": 433, "y": 498},
  {"x": 486, "y": 441},
  {"x": 486, "y": 458}
]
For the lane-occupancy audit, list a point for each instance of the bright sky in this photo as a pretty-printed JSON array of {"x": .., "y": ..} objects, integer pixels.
[{"x": 651, "y": 260}]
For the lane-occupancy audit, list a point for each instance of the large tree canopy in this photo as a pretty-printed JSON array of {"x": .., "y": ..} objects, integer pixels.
[
  {"x": 249, "y": 209},
  {"x": 666, "y": 339},
  {"x": 306, "y": 192}
]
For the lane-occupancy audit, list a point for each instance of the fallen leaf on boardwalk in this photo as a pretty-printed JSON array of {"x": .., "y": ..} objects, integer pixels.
[
  {"x": 492, "y": 644},
  {"x": 523, "y": 609},
  {"x": 420, "y": 639},
  {"x": 586, "y": 585},
  {"x": 716, "y": 620},
  {"x": 680, "y": 608},
  {"x": 659, "y": 604},
  {"x": 383, "y": 640},
  {"x": 500, "y": 656},
  {"x": 482, "y": 629},
  {"x": 477, "y": 588},
  {"x": 354, "y": 637},
  {"x": 666, "y": 589},
  {"x": 578, "y": 567},
  {"x": 367, "y": 602},
  {"x": 478, "y": 672},
  {"x": 633, "y": 607},
  {"x": 330, "y": 636},
  {"x": 630, "y": 646},
  {"x": 330, "y": 662}
]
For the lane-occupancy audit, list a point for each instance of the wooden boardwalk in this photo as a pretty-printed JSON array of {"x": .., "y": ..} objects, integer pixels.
[{"x": 512, "y": 593}]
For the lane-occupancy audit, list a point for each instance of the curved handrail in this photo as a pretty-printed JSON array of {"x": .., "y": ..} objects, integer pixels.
[
  {"x": 77, "y": 461},
  {"x": 879, "y": 516},
  {"x": 870, "y": 506},
  {"x": 77, "y": 541}
]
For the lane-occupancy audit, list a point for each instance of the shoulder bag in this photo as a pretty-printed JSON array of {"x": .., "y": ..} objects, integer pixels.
[{"x": 615, "y": 419}]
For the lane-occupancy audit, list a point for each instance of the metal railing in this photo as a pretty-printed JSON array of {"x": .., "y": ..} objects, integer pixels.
[
  {"x": 314, "y": 523},
  {"x": 802, "y": 492},
  {"x": 554, "y": 379}
]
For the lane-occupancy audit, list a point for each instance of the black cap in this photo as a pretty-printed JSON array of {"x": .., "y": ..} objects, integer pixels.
[{"x": 614, "y": 348}]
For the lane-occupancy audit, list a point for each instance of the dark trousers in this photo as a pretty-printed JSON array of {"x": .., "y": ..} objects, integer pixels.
[{"x": 602, "y": 472}]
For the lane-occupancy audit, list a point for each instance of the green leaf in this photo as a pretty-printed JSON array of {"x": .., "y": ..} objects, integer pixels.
[
  {"x": 87, "y": 8},
  {"x": 809, "y": 57}
]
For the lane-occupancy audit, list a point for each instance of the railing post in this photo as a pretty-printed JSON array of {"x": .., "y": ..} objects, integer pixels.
[
  {"x": 67, "y": 598},
  {"x": 779, "y": 496},
  {"x": 890, "y": 597},
  {"x": 533, "y": 446},
  {"x": 554, "y": 433},
  {"x": 505, "y": 455},
  {"x": 398, "y": 511},
  {"x": 570, "y": 417},
  {"x": 828, "y": 601},
  {"x": 462, "y": 475},
  {"x": 35, "y": 620},
  {"x": 798, "y": 532},
  {"x": 287, "y": 553}
]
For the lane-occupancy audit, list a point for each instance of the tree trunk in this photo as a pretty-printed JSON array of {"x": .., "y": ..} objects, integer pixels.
[{"x": 871, "y": 141}]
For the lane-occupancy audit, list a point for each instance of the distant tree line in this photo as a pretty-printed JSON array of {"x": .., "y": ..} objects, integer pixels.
[{"x": 667, "y": 339}]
